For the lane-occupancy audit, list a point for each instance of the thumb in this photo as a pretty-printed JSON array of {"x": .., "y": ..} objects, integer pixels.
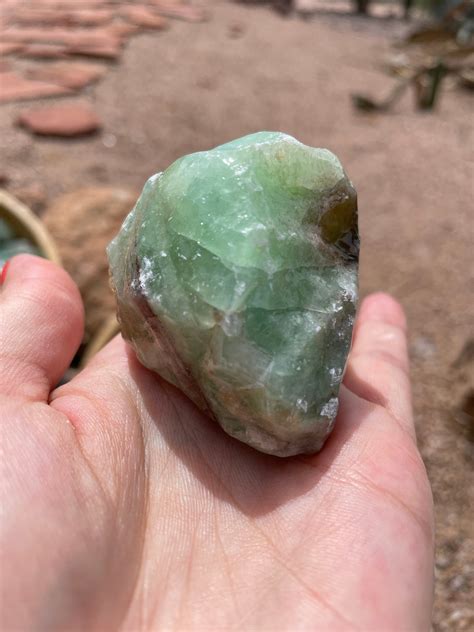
[
  {"x": 378, "y": 366},
  {"x": 41, "y": 317}
]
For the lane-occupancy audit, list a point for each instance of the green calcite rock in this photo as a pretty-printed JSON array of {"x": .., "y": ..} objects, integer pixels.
[{"x": 236, "y": 280}]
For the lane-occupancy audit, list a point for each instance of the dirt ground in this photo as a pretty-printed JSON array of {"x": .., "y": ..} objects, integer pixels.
[{"x": 247, "y": 69}]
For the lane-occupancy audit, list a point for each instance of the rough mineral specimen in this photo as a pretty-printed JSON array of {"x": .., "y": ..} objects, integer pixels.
[{"x": 236, "y": 280}]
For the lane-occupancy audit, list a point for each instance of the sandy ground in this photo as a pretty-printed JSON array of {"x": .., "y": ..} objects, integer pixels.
[{"x": 248, "y": 69}]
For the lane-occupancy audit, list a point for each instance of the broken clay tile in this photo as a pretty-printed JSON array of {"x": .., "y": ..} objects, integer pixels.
[
  {"x": 62, "y": 17},
  {"x": 70, "y": 75},
  {"x": 63, "y": 120},
  {"x": 44, "y": 51},
  {"x": 7, "y": 48},
  {"x": 69, "y": 37},
  {"x": 13, "y": 87},
  {"x": 99, "y": 51},
  {"x": 179, "y": 11},
  {"x": 143, "y": 16},
  {"x": 70, "y": 4}
]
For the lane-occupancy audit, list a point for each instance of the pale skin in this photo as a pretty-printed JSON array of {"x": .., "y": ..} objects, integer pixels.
[{"x": 125, "y": 508}]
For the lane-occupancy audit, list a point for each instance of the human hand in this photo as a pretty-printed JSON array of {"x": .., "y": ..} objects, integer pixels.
[{"x": 126, "y": 508}]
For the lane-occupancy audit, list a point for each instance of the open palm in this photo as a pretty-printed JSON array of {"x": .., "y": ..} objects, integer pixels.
[{"x": 125, "y": 508}]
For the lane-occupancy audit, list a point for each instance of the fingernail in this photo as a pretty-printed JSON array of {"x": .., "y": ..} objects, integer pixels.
[{"x": 3, "y": 273}]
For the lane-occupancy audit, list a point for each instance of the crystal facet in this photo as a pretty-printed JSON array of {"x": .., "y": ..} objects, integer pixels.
[{"x": 236, "y": 281}]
